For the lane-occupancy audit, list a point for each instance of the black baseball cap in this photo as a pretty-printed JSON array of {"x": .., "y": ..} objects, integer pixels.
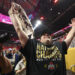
[
  {"x": 46, "y": 31},
  {"x": 43, "y": 29}
]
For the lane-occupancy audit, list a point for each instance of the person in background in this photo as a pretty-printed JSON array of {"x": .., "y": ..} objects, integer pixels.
[
  {"x": 16, "y": 56},
  {"x": 5, "y": 65},
  {"x": 20, "y": 68},
  {"x": 9, "y": 54}
]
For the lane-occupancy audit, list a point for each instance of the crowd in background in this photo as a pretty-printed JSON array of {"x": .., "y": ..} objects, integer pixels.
[{"x": 17, "y": 60}]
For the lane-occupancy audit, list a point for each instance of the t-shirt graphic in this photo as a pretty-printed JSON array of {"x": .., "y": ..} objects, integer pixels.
[
  {"x": 45, "y": 53},
  {"x": 45, "y": 59}
]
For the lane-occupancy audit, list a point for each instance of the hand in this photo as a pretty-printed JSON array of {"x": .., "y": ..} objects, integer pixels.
[
  {"x": 73, "y": 22},
  {"x": 15, "y": 7}
]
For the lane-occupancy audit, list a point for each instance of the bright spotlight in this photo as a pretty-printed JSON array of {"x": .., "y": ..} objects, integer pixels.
[
  {"x": 38, "y": 23},
  {"x": 55, "y": 1}
]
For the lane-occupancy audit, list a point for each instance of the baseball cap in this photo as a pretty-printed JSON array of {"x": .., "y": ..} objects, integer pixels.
[{"x": 43, "y": 29}]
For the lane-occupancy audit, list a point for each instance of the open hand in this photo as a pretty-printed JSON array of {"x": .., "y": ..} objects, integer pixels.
[{"x": 15, "y": 8}]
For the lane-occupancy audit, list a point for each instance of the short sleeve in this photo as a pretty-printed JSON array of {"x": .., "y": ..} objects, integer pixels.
[
  {"x": 61, "y": 46},
  {"x": 28, "y": 49},
  {"x": 64, "y": 47}
]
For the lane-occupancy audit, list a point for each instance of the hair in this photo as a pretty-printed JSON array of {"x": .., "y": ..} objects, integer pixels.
[
  {"x": 41, "y": 31},
  {"x": 45, "y": 31}
]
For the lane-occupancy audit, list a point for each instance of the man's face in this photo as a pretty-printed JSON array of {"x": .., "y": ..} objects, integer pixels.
[{"x": 46, "y": 39}]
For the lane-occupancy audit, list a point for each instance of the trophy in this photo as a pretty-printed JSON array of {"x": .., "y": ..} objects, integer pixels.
[{"x": 18, "y": 15}]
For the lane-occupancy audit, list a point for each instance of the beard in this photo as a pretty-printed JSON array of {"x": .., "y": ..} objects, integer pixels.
[{"x": 48, "y": 42}]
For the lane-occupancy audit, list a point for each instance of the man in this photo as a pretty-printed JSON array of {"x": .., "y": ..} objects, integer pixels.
[{"x": 44, "y": 57}]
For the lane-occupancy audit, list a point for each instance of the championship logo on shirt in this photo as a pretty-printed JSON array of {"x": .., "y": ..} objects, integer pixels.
[
  {"x": 44, "y": 53},
  {"x": 51, "y": 66}
]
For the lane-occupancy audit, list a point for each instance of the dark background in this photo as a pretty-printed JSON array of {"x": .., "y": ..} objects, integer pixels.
[{"x": 56, "y": 15}]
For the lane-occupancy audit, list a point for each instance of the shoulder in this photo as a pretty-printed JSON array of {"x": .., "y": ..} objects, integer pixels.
[
  {"x": 57, "y": 43},
  {"x": 60, "y": 44},
  {"x": 31, "y": 42}
]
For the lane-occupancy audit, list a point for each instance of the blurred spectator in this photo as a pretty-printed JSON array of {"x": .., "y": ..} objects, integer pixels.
[
  {"x": 16, "y": 57},
  {"x": 20, "y": 68},
  {"x": 9, "y": 55}
]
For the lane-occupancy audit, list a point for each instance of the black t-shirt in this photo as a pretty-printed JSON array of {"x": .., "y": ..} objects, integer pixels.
[
  {"x": 45, "y": 60},
  {"x": 0, "y": 70}
]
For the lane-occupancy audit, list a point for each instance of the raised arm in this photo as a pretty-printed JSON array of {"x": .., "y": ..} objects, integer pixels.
[
  {"x": 21, "y": 34},
  {"x": 21, "y": 23},
  {"x": 71, "y": 33}
]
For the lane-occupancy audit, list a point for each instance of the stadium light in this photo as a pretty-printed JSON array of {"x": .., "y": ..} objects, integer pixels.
[{"x": 38, "y": 23}]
